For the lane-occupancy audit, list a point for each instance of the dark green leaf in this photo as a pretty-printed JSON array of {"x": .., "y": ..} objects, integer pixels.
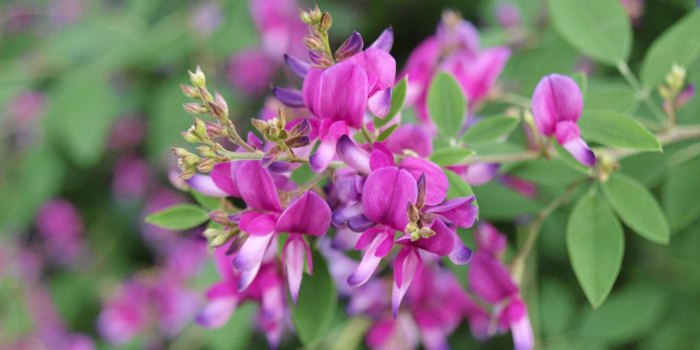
[
  {"x": 449, "y": 156},
  {"x": 681, "y": 194},
  {"x": 179, "y": 217},
  {"x": 596, "y": 245},
  {"x": 316, "y": 305},
  {"x": 637, "y": 207},
  {"x": 598, "y": 28},
  {"x": 497, "y": 202},
  {"x": 617, "y": 130},
  {"x": 679, "y": 44},
  {"x": 447, "y": 105},
  {"x": 386, "y": 133},
  {"x": 490, "y": 129},
  {"x": 398, "y": 97}
]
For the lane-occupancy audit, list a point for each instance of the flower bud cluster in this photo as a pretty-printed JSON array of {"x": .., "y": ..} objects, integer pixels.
[
  {"x": 317, "y": 39},
  {"x": 284, "y": 140},
  {"x": 674, "y": 92}
]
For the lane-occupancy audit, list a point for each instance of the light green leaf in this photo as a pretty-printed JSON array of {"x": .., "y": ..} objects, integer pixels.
[
  {"x": 626, "y": 316},
  {"x": 316, "y": 305},
  {"x": 617, "y": 130},
  {"x": 458, "y": 187},
  {"x": 581, "y": 80},
  {"x": 211, "y": 203},
  {"x": 446, "y": 104},
  {"x": 490, "y": 129},
  {"x": 497, "y": 202},
  {"x": 679, "y": 44},
  {"x": 681, "y": 194},
  {"x": 637, "y": 207},
  {"x": 179, "y": 217},
  {"x": 596, "y": 245},
  {"x": 569, "y": 160},
  {"x": 449, "y": 156},
  {"x": 549, "y": 172},
  {"x": 616, "y": 98},
  {"x": 386, "y": 133},
  {"x": 597, "y": 28},
  {"x": 398, "y": 97}
]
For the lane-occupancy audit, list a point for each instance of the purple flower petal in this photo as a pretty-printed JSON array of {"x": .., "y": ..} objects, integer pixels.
[
  {"x": 223, "y": 175},
  {"x": 337, "y": 93},
  {"x": 379, "y": 102},
  {"x": 311, "y": 90},
  {"x": 294, "y": 254},
  {"x": 386, "y": 194},
  {"x": 378, "y": 159},
  {"x": 352, "y": 46},
  {"x": 257, "y": 187},
  {"x": 442, "y": 243},
  {"x": 460, "y": 254},
  {"x": 407, "y": 266},
  {"x": 310, "y": 215},
  {"x": 556, "y": 98},
  {"x": 290, "y": 97},
  {"x": 568, "y": 135},
  {"x": 488, "y": 239},
  {"x": 340, "y": 218},
  {"x": 385, "y": 40},
  {"x": 369, "y": 263},
  {"x": 360, "y": 223},
  {"x": 410, "y": 137},
  {"x": 217, "y": 312},
  {"x": 489, "y": 279},
  {"x": 436, "y": 179},
  {"x": 251, "y": 254},
  {"x": 353, "y": 155},
  {"x": 298, "y": 67},
  {"x": 460, "y": 211},
  {"x": 205, "y": 185},
  {"x": 320, "y": 160}
]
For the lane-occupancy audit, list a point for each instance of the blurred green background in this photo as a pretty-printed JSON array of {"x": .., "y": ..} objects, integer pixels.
[{"x": 106, "y": 76}]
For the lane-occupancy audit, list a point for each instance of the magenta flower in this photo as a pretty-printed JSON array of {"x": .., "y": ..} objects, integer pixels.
[
  {"x": 61, "y": 226},
  {"x": 557, "y": 104},
  {"x": 131, "y": 178},
  {"x": 27, "y": 106},
  {"x": 250, "y": 71},
  {"x": 126, "y": 314},
  {"x": 410, "y": 137},
  {"x": 281, "y": 31},
  {"x": 476, "y": 174}
]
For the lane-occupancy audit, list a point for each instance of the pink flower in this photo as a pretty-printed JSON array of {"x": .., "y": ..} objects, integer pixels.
[
  {"x": 60, "y": 224},
  {"x": 251, "y": 71},
  {"x": 131, "y": 178},
  {"x": 27, "y": 106},
  {"x": 126, "y": 314}
]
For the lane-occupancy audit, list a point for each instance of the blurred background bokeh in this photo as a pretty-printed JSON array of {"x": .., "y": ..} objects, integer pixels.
[{"x": 91, "y": 105}]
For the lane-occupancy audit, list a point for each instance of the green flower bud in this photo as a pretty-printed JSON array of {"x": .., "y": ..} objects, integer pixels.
[{"x": 198, "y": 79}]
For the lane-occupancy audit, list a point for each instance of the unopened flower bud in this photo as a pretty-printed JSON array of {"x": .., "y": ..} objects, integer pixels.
[
  {"x": 685, "y": 96},
  {"x": 317, "y": 14},
  {"x": 298, "y": 141},
  {"x": 665, "y": 93},
  {"x": 412, "y": 230},
  {"x": 212, "y": 233},
  {"x": 306, "y": 17},
  {"x": 221, "y": 101},
  {"x": 260, "y": 125},
  {"x": 206, "y": 165},
  {"x": 676, "y": 78},
  {"x": 190, "y": 91},
  {"x": 195, "y": 108},
  {"x": 282, "y": 118},
  {"x": 413, "y": 212},
  {"x": 320, "y": 60},
  {"x": 303, "y": 128},
  {"x": 188, "y": 173},
  {"x": 190, "y": 136},
  {"x": 217, "y": 110},
  {"x": 313, "y": 43},
  {"x": 197, "y": 78},
  {"x": 220, "y": 240},
  {"x": 207, "y": 152},
  {"x": 216, "y": 130},
  {"x": 422, "y": 191},
  {"x": 326, "y": 21},
  {"x": 273, "y": 133},
  {"x": 180, "y": 152},
  {"x": 200, "y": 129},
  {"x": 220, "y": 217},
  {"x": 426, "y": 232}
]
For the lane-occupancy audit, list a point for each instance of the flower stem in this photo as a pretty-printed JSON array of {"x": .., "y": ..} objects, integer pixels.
[
  {"x": 309, "y": 185},
  {"x": 641, "y": 92}
]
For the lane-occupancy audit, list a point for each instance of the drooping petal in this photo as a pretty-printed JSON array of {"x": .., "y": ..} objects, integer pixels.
[
  {"x": 436, "y": 179},
  {"x": 407, "y": 266},
  {"x": 344, "y": 94},
  {"x": 386, "y": 194},
  {"x": 217, "y": 312},
  {"x": 298, "y": 67},
  {"x": 489, "y": 279},
  {"x": 260, "y": 226},
  {"x": 382, "y": 65},
  {"x": 353, "y": 155},
  {"x": 360, "y": 223},
  {"x": 461, "y": 211},
  {"x": 250, "y": 257},
  {"x": 569, "y": 136},
  {"x": 412, "y": 138},
  {"x": 352, "y": 46},
  {"x": 556, "y": 98},
  {"x": 340, "y": 218},
  {"x": 442, "y": 243},
  {"x": 290, "y": 97},
  {"x": 257, "y": 187},
  {"x": 369, "y": 263},
  {"x": 462, "y": 35},
  {"x": 294, "y": 255},
  {"x": 460, "y": 254},
  {"x": 320, "y": 160},
  {"x": 520, "y": 326},
  {"x": 310, "y": 215},
  {"x": 385, "y": 40},
  {"x": 379, "y": 102},
  {"x": 368, "y": 237},
  {"x": 205, "y": 185},
  {"x": 223, "y": 175}
]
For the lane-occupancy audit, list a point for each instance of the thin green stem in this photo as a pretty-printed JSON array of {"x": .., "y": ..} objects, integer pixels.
[
  {"x": 309, "y": 185},
  {"x": 641, "y": 92}
]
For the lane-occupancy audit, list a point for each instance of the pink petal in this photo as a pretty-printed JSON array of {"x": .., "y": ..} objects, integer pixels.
[
  {"x": 381, "y": 64},
  {"x": 407, "y": 266},
  {"x": 298, "y": 67},
  {"x": 223, "y": 175},
  {"x": 385, "y": 40},
  {"x": 368, "y": 237},
  {"x": 311, "y": 91},
  {"x": 369, "y": 263},
  {"x": 205, "y": 185},
  {"x": 556, "y": 98},
  {"x": 251, "y": 254},
  {"x": 412, "y": 138},
  {"x": 568, "y": 135},
  {"x": 488, "y": 239},
  {"x": 461, "y": 211},
  {"x": 489, "y": 279},
  {"x": 344, "y": 94},
  {"x": 257, "y": 187},
  {"x": 217, "y": 312},
  {"x": 320, "y": 160},
  {"x": 310, "y": 214},
  {"x": 353, "y": 155},
  {"x": 386, "y": 195},
  {"x": 378, "y": 159},
  {"x": 294, "y": 253},
  {"x": 379, "y": 103},
  {"x": 436, "y": 180}
]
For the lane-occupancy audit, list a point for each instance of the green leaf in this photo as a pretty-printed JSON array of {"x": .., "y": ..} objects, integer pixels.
[
  {"x": 557, "y": 306},
  {"x": 547, "y": 172},
  {"x": 446, "y": 104},
  {"x": 211, "y": 203},
  {"x": 581, "y": 80},
  {"x": 596, "y": 245},
  {"x": 458, "y": 187},
  {"x": 490, "y": 129},
  {"x": 617, "y": 130},
  {"x": 679, "y": 44},
  {"x": 637, "y": 207},
  {"x": 237, "y": 332},
  {"x": 497, "y": 202},
  {"x": 628, "y": 315},
  {"x": 449, "y": 156},
  {"x": 569, "y": 160},
  {"x": 616, "y": 98},
  {"x": 597, "y": 28},
  {"x": 316, "y": 305},
  {"x": 386, "y": 133},
  {"x": 398, "y": 97},
  {"x": 179, "y": 217},
  {"x": 681, "y": 194}
]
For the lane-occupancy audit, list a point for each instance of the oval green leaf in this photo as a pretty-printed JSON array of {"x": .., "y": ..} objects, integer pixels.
[
  {"x": 637, "y": 207},
  {"x": 569, "y": 160},
  {"x": 398, "y": 97},
  {"x": 616, "y": 99},
  {"x": 179, "y": 217},
  {"x": 386, "y": 133},
  {"x": 449, "y": 156},
  {"x": 490, "y": 129},
  {"x": 681, "y": 194},
  {"x": 680, "y": 44},
  {"x": 446, "y": 104},
  {"x": 597, "y": 28},
  {"x": 211, "y": 203},
  {"x": 595, "y": 243},
  {"x": 316, "y": 305},
  {"x": 617, "y": 130}
]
